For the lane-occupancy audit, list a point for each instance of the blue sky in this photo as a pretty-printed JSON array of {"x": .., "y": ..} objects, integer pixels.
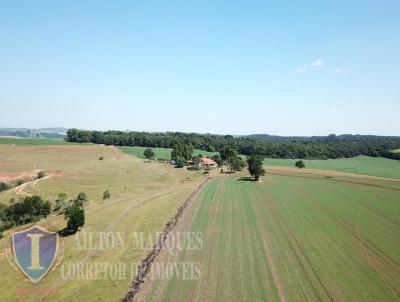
[{"x": 237, "y": 67}]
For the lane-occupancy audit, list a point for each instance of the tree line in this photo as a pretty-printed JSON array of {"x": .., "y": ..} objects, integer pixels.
[
  {"x": 31, "y": 209},
  {"x": 329, "y": 147}
]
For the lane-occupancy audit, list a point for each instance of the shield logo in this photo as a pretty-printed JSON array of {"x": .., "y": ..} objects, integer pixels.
[{"x": 35, "y": 251}]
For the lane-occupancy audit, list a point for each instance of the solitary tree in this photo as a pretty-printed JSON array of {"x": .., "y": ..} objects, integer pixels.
[
  {"x": 300, "y": 164},
  {"x": 149, "y": 154},
  {"x": 255, "y": 166},
  {"x": 41, "y": 174},
  {"x": 75, "y": 214}
]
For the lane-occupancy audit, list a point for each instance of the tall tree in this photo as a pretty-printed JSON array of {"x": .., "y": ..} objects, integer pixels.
[
  {"x": 255, "y": 166},
  {"x": 149, "y": 154}
]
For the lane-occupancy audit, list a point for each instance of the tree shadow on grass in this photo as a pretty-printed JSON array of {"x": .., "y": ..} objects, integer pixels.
[
  {"x": 246, "y": 178},
  {"x": 66, "y": 232}
]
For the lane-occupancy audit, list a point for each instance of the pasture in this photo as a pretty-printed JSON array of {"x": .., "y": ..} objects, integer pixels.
[
  {"x": 365, "y": 165},
  {"x": 293, "y": 237},
  {"x": 143, "y": 197},
  {"x": 161, "y": 153},
  {"x": 31, "y": 141}
]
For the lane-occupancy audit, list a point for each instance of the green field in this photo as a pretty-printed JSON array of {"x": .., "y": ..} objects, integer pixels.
[
  {"x": 160, "y": 153},
  {"x": 143, "y": 197},
  {"x": 31, "y": 141},
  {"x": 374, "y": 166},
  {"x": 289, "y": 238}
]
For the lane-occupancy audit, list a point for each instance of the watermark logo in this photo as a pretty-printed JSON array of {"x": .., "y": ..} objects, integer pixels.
[{"x": 34, "y": 251}]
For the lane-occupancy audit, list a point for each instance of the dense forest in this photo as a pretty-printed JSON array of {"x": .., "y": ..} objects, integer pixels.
[{"x": 322, "y": 147}]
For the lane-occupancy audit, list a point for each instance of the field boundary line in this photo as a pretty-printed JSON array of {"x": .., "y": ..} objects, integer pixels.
[{"x": 145, "y": 264}]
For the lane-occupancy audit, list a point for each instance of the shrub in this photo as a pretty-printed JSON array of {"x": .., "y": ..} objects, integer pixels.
[
  {"x": 41, "y": 174},
  {"x": 3, "y": 186},
  {"x": 300, "y": 164},
  {"x": 101, "y": 158},
  {"x": 106, "y": 195}
]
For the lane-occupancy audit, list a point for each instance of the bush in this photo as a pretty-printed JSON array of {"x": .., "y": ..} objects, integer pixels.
[
  {"x": 106, "y": 195},
  {"x": 19, "y": 182},
  {"x": 41, "y": 174},
  {"x": 101, "y": 158},
  {"x": 3, "y": 186},
  {"x": 300, "y": 164},
  {"x": 180, "y": 163},
  {"x": 61, "y": 203}
]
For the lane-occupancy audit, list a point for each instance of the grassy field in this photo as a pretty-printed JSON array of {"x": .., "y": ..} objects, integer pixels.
[
  {"x": 143, "y": 197},
  {"x": 374, "y": 166},
  {"x": 162, "y": 153},
  {"x": 290, "y": 238},
  {"x": 31, "y": 141}
]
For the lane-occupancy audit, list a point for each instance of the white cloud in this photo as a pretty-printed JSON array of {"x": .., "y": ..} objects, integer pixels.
[
  {"x": 339, "y": 70},
  {"x": 339, "y": 107},
  {"x": 314, "y": 64}
]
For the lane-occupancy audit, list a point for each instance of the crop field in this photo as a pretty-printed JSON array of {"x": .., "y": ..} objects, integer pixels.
[
  {"x": 292, "y": 237},
  {"x": 143, "y": 197},
  {"x": 374, "y": 166},
  {"x": 161, "y": 153}
]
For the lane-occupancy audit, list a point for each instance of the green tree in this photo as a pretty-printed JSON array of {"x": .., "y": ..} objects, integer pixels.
[
  {"x": 235, "y": 163},
  {"x": 300, "y": 164},
  {"x": 46, "y": 208},
  {"x": 217, "y": 159},
  {"x": 255, "y": 166},
  {"x": 3, "y": 186},
  {"x": 75, "y": 214},
  {"x": 149, "y": 154},
  {"x": 81, "y": 199},
  {"x": 61, "y": 203},
  {"x": 181, "y": 153},
  {"x": 180, "y": 162},
  {"x": 228, "y": 152}
]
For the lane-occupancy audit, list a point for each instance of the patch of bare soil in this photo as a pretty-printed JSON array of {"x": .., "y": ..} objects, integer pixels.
[{"x": 9, "y": 177}]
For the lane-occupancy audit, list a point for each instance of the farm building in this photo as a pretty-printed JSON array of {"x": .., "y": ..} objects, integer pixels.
[{"x": 203, "y": 162}]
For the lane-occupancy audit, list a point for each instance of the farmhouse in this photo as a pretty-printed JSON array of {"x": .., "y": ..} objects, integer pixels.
[
  {"x": 203, "y": 162},
  {"x": 208, "y": 162}
]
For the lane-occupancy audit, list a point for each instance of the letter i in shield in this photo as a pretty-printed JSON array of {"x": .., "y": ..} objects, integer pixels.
[{"x": 35, "y": 251}]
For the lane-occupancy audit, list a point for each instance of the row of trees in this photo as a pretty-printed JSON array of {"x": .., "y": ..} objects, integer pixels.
[
  {"x": 31, "y": 209},
  {"x": 307, "y": 148}
]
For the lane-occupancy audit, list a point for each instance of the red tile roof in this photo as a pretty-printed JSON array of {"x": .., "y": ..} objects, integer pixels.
[{"x": 207, "y": 161}]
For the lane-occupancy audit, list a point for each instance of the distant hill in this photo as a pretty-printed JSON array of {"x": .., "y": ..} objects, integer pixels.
[
  {"x": 57, "y": 133},
  {"x": 331, "y": 137}
]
